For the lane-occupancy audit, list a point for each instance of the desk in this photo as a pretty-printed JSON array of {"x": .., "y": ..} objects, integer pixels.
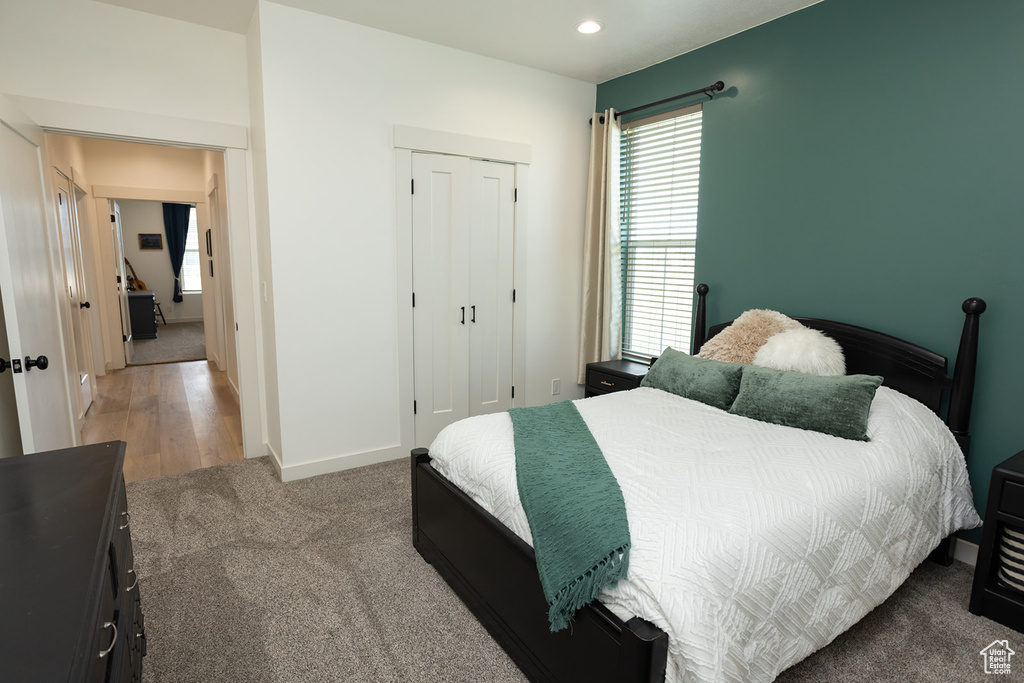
[{"x": 142, "y": 311}]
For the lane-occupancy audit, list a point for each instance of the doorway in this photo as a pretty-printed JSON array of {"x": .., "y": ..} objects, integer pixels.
[
  {"x": 163, "y": 330},
  {"x": 176, "y": 412},
  {"x": 43, "y": 412}
]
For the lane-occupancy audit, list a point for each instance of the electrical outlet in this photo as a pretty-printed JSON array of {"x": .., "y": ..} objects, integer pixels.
[{"x": 556, "y": 387}]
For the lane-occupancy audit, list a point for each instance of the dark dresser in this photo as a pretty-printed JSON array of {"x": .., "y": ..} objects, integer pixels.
[
  {"x": 69, "y": 594},
  {"x": 607, "y": 376},
  {"x": 142, "y": 311}
]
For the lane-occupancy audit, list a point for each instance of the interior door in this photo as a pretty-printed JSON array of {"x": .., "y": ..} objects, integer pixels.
[
  {"x": 28, "y": 290},
  {"x": 440, "y": 278},
  {"x": 117, "y": 236},
  {"x": 491, "y": 278},
  {"x": 10, "y": 432},
  {"x": 80, "y": 377},
  {"x": 463, "y": 218}
]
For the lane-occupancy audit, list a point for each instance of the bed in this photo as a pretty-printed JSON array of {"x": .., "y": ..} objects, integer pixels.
[{"x": 493, "y": 569}]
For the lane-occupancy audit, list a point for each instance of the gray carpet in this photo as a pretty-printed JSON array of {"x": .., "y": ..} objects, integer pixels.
[
  {"x": 246, "y": 579},
  {"x": 174, "y": 343}
]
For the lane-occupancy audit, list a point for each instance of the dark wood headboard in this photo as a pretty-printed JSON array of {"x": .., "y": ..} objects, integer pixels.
[{"x": 906, "y": 367}]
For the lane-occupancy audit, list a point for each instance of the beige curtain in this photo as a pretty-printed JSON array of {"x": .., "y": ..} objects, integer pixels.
[{"x": 601, "y": 319}]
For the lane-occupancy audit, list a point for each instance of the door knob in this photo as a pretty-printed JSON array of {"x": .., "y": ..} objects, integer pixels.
[
  {"x": 41, "y": 362},
  {"x": 4, "y": 364},
  {"x": 85, "y": 304}
]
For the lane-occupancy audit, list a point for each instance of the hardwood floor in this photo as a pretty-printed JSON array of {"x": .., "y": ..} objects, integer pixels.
[{"x": 174, "y": 417}]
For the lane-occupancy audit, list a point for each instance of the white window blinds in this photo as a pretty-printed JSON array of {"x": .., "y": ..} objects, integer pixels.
[{"x": 659, "y": 181}]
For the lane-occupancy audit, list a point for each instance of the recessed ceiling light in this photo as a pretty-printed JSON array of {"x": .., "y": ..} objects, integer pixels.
[{"x": 589, "y": 26}]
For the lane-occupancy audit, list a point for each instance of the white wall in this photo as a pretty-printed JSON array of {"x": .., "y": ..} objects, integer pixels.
[
  {"x": 153, "y": 266},
  {"x": 100, "y": 55},
  {"x": 130, "y": 164},
  {"x": 331, "y": 93},
  {"x": 265, "y": 300}
]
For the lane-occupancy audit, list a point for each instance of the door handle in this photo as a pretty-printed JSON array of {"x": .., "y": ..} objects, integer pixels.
[
  {"x": 85, "y": 304},
  {"x": 463, "y": 315},
  {"x": 473, "y": 319},
  {"x": 41, "y": 362},
  {"x": 4, "y": 364}
]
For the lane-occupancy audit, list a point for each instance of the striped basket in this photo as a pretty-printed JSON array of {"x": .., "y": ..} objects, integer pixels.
[{"x": 1011, "y": 560}]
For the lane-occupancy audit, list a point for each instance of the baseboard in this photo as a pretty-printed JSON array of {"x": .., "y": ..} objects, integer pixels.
[
  {"x": 339, "y": 463},
  {"x": 274, "y": 458},
  {"x": 966, "y": 552},
  {"x": 234, "y": 391},
  {"x": 171, "y": 321}
]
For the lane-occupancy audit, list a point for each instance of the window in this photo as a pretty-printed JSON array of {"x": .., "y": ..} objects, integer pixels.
[
  {"x": 659, "y": 180},
  {"x": 191, "y": 275}
]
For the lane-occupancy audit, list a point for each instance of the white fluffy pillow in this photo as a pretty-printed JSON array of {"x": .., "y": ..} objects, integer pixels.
[
  {"x": 738, "y": 342},
  {"x": 803, "y": 350}
]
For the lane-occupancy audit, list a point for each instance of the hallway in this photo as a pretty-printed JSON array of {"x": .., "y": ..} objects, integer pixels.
[{"x": 175, "y": 417}]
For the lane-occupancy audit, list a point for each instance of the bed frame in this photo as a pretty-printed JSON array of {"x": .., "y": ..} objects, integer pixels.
[{"x": 495, "y": 572}]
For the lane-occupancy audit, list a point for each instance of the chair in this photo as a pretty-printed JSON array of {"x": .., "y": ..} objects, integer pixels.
[{"x": 160, "y": 311}]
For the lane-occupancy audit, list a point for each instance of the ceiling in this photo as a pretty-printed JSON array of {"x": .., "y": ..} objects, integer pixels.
[{"x": 535, "y": 33}]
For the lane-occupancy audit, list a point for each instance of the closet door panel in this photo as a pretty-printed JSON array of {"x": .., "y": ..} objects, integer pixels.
[
  {"x": 492, "y": 238},
  {"x": 441, "y": 285}
]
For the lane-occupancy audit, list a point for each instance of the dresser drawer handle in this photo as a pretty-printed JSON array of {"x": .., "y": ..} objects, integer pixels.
[
  {"x": 113, "y": 641},
  {"x": 608, "y": 384},
  {"x": 134, "y": 583},
  {"x": 127, "y": 520}
]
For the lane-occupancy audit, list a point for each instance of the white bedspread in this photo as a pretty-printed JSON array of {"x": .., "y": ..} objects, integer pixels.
[{"x": 753, "y": 544}]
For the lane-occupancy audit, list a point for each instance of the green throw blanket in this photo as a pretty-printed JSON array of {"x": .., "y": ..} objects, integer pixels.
[{"x": 574, "y": 505}]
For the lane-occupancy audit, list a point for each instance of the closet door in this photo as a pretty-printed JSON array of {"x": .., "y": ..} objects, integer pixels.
[
  {"x": 492, "y": 237},
  {"x": 440, "y": 280},
  {"x": 463, "y": 236}
]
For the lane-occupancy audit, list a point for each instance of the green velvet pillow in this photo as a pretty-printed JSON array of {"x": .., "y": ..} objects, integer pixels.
[
  {"x": 831, "y": 405},
  {"x": 708, "y": 381}
]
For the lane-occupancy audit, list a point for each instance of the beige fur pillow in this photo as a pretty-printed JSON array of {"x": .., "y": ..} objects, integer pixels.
[{"x": 739, "y": 342}]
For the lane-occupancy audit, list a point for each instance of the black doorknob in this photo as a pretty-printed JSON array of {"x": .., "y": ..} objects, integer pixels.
[
  {"x": 4, "y": 364},
  {"x": 85, "y": 304},
  {"x": 41, "y": 362}
]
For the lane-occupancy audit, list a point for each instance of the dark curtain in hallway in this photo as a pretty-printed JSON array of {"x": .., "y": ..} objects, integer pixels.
[{"x": 176, "y": 229}]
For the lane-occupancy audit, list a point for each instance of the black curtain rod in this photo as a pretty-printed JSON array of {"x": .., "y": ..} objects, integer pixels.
[{"x": 709, "y": 91}]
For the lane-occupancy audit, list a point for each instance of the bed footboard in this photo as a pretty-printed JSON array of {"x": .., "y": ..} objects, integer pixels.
[{"x": 495, "y": 574}]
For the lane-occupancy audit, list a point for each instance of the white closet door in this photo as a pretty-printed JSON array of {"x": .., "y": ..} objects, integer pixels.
[
  {"x": 492, "y": 238},
  {"x": 440, "y": 219}
]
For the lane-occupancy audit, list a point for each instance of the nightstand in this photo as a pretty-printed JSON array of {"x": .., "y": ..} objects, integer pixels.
[
  {"x": 992, "y": 595},
  {"x": 613, "y": 375}
]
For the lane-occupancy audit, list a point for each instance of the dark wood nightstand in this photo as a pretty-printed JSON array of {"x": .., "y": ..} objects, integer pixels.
[
  {"x": 613, "y": 375},
  {"x": 991, "y": 596}
]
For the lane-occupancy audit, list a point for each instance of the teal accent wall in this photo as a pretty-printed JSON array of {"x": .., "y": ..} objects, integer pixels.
[{"x": 866, "y": 164}]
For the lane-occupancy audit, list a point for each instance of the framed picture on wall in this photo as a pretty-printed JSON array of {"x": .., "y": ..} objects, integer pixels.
[{"x": 151, "y": 240}]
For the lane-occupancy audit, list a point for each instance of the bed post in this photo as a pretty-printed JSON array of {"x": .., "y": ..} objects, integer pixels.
[
  {"x": 418, "y": 455},
  {"x": 962, "y": 392},
  {"x": 700, "y": 329}
]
